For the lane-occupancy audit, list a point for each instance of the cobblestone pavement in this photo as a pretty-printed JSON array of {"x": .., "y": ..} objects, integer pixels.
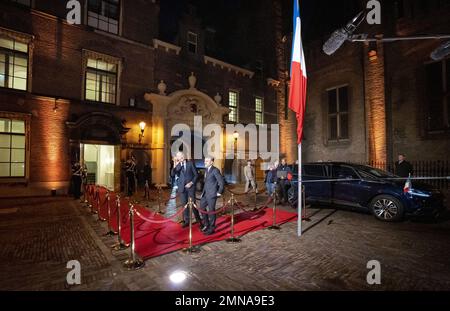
[{"x": 39, "y": 236}]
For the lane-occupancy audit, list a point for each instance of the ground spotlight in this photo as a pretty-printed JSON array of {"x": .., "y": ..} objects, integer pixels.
[{"x": 178, "y": 277}]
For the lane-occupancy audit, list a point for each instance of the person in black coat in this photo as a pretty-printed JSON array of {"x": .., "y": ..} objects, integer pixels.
[
  {"x": 283, "y": 181},
  {"x": 212, "y": 189},
  {"x": 402, "y": 167},
  {"x": 130, "y": 171},
  {"x": 147, "y": 174},
  {"x": 187, "y": 179}
]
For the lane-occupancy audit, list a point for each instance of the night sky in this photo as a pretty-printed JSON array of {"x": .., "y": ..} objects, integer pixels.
[{"x": 319, "y": 18}]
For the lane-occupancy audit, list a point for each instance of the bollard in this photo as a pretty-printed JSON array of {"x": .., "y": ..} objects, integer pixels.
[
  {"x": 120, "y": 243},
  {"x": 133, "y": 263},
  {"x": 108, "y": 202},
  {"x": 274, "y": 212},
  {"x": 232, "y": 239},
  {"x": 191, "y": 249}
]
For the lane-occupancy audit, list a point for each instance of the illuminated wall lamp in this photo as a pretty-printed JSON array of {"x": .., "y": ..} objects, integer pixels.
[
  {"x": 142, "y": 127},
  {"x": 373, "y": 56}
]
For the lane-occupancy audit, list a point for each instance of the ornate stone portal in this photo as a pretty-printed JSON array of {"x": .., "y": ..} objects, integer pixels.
[{"x": 179, "y": 107}]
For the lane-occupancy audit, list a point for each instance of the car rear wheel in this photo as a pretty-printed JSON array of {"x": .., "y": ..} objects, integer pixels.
[{"x": 387, "y": 208}]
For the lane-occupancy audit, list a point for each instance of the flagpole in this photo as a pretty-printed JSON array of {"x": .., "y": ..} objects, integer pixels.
[{"x": 300, "y": 194}]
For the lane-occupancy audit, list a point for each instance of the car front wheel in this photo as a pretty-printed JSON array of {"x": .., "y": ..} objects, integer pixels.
[{"x": 387, "y": 208}]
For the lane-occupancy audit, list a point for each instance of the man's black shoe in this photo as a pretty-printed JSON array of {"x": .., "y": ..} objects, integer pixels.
[
  {"x": 185, "y": 224},
  {"x": 204, "y": 228},
  {"x": 209, "y": 232}
]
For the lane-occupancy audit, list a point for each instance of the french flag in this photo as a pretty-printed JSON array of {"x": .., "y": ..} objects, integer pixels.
[
  {"x": 297, "y": 92},
  {"x": 408, "y": 185}
]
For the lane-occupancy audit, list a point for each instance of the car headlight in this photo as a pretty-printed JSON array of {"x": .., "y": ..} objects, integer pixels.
[{"x": 418, "y": 193}]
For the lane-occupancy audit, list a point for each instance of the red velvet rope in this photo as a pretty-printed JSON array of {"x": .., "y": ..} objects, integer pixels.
[
  {"x": 217, "y": 211},
  {"x": 159, "y": 221},
  {"x": 171, "y": 198},
  {"x": 258, "y": 209},
  {"x": 236, "y": 193}
]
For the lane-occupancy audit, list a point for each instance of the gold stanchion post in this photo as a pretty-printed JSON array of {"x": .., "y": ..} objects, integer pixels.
[
  {"x": 159, "y": 199},
  {"x": 83, "y": 200},
  {"x": 133, "y": 263},
  {"x": 191, "y": 249},
  {"x": 99, "y": 218},
  {"x": 232, "y": 239},
  {"x": 120, "y": 243},
  {"x": 91, "y": 202},
  {"x": 274, "y": 212},
  {"x": 146, "y": 191},
  {"x": 96, "y": 199},
  {"x": 108, "y": 202},
  {"x": 86, "y": 197}
]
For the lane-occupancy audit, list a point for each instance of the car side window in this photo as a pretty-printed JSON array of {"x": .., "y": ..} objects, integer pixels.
[
  {"x": 366, "y": 176},
  {"x": 313, "y": 170},
  {"x": 344, "y": 172}
]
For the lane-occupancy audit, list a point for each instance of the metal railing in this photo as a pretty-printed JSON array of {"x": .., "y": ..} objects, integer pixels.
[{"x": 436, "y": 168}]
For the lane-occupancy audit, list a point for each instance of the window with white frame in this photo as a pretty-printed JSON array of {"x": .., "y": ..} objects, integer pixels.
[
  {"x": 104, "y": 15},
  {"x": 233, "y": 104},
  {"x": 338, "y": 104},
  {"x": 259, "y": 110},
  {"x": 101, "y": 81},
  {"x": 12, "y": 148},
  {"x": 13, "y": 64},
  {"x": 192, "y": 42},
  {"x": 438, "y": 96}
]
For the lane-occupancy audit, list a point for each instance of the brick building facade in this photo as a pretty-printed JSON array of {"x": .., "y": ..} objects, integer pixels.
[
  {"x": 67, "y": 91},
  {"x": 371, "y": 101}
]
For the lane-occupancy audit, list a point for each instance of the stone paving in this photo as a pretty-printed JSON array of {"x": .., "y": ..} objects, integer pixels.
[{"x": 39, "y": 236}]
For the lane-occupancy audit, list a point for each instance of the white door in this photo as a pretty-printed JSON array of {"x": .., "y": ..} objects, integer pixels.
[{"x": 99, "y": 160}]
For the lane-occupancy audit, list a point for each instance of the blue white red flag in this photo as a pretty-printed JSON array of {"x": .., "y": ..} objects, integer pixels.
[{"x": 297, "y": 92}]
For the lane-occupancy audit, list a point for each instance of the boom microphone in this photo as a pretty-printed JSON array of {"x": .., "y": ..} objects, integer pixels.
[
  {"x": 441, "y": 52},
  {"x": 338, "y": 37},
  {"x": 336, "y": 40}
]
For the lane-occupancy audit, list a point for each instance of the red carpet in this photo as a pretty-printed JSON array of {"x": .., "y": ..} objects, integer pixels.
[{"x": 155, "y": 239}]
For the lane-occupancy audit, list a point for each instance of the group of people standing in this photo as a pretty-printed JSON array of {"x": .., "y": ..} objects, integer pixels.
[
  {"x": 278, "y": 178},
  {"x": 186, "y": 176},
  {"x": 79, "y": 176}
]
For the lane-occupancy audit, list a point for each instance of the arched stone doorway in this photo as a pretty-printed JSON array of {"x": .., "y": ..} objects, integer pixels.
[
  {"x": 95, "y": 140},
  {"x": 180, "y": 107}
]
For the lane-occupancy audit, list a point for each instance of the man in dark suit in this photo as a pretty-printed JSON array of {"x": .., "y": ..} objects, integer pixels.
[
  {"x": 187, "y": 179},
  {"x": 402, "y": 167},
  {"x": 212, "y": 189},
  {"x": 283, "y": 181}
]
